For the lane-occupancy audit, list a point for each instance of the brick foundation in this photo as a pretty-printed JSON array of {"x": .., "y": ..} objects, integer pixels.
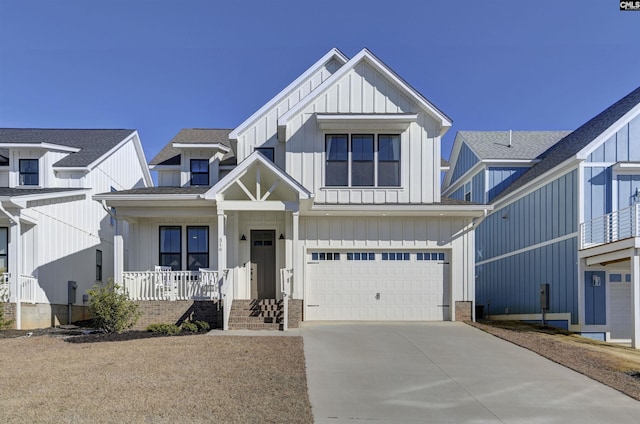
[
  {"x": 463, "y": 311},
  {"x": 156, "y": 312},
  {"x": 43, "y": 315}
]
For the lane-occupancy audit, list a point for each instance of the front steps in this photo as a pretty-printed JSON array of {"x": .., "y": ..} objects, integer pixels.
[
  {"x": 256, "y": 314},
  {"x": 263, "y": 314}
]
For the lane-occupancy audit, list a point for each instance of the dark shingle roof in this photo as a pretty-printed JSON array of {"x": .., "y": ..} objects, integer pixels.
[
  {"x": 444, "y": 162},
  {"x": 160, "y": 190},
  {"x": 167, "y": 155},
  {"x": 576, "y": 141},
  {"x": 92, "y": 143},
  {"x": 524, "y": 144}
]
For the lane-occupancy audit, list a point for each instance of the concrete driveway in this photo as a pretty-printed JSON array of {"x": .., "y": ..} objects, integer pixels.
[{"x": 445, "y": 373}]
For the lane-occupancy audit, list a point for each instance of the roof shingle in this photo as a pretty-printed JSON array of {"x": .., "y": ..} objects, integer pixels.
[
  {"x": 167, "y": 155},
  {"x": 524, "y": 144}
]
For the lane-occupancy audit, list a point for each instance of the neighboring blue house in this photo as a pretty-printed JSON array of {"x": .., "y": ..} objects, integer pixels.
[{"x": 567, "y": 216}]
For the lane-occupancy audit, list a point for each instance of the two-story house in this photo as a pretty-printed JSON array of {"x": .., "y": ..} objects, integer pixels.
[
  {"x": 51, "y": 231},
  {"x": 570, "y": 220},
  {"x": 329, "y": 195}
]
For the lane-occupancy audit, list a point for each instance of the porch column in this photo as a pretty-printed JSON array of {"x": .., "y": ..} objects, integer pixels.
[
  {"x": 15, "y": 268},
  {"x": 118, "y": 252},
  {"x": 294, "y": 252},
  {"x": 635, "y": 299},
  {"x": 222, "y": 241}
]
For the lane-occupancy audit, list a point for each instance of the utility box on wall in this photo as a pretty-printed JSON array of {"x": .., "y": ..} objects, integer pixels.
[
  {"x": 544, "y": 296},
  {"x": 71, "y": 292}
]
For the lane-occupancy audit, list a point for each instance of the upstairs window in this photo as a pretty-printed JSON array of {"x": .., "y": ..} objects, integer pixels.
[
  {"x": 362, "y": 160},
  {"x": 29, "y": 174},
  {"x": 199, "y": 172},
  {"x": 467, "y": 191},
  {"x": 266, "y": 151},
  {"x": 337, "y": 160}
]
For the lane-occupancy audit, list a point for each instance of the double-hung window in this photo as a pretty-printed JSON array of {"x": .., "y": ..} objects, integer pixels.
[
  {"x": 170, "y": 247},
  {"x": 98, "y": 265},
  {"x": 29, "y": 174},
  {"x": 4, "y": 249},
  {"x": 199, "y": 172},
  {"x": 197, "y": 248},
  {"x": 268, "y": 152},
  {"x": 337, "y": 148},
  {"x": 362, "y": 160}
]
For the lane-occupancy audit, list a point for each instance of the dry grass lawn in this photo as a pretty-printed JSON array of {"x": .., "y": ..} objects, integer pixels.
[{"x": 160, "y": 380}]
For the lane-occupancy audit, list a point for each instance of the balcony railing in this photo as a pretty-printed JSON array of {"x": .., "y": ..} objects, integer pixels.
[
  {"x": 172, "y": 285},
  {"x": 614, "y": 226}
]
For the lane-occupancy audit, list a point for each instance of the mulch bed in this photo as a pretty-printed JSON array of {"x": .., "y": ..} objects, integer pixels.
[{"x": 558, "y": 346}]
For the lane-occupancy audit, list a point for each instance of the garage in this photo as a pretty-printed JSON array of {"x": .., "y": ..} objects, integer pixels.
[{"x": 377, "y": 286}]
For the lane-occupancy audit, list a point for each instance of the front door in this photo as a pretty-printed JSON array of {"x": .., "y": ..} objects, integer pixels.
[{"x": 263, "y": 264}]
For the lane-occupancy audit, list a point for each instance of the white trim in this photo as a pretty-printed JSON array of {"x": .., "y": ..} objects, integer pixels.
[
  {"x": 626, "y": 168},
  {"x": 218, "y": 146},
  {"x": 70, "y": 169},
  {"x": 42, "y": 145},
  {"x": 365, "y": 54},
  {"x": 469, "y": 174},
  {"x": 513, "y": 162},
  {"x": 528, "y": 248},
  {"x": 165, "y": 167},
  {"x": 349, "y": 121},
  {"x": 134, "y": 197},
  {"x": 604, "y": 136},
  {"x": 330, "y": 55}
]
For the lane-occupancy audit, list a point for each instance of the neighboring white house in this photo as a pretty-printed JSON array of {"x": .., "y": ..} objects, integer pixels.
[
  {"x": 569, "y": 218},
  {"x": 328, "y": 194},
  {"x": 51, "y": 231}
]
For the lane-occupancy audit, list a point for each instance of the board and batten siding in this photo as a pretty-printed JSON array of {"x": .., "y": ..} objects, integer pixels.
[
  {"x": 501, "y": 177},
  {"x": 512, "y": 284},
  {"x": 547, "y": 213},
  {"x": 466, "y": 160},
  {"x": 342, "y": 233},
  {"x": 263, "y": 132},
  {"x": 364, "y": 90},
  {"x": 623, "y": 146}
]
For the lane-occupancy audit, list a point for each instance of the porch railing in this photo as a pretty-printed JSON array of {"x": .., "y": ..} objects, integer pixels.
[
  {"x": 286, "y": 279},
  {"x": 172, "y": 285},
  {"x": 28, "y": 286},
  {"x": 227, "y": 291},
  {"x": 614, "y": 226}
]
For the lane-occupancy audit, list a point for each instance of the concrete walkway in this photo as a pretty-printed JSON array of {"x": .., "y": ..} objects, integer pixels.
[{"x": 445, "y": 373}]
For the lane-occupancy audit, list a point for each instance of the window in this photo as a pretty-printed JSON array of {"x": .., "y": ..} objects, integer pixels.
[
  {"x": 325, "y": 256},
  {"x": 199, "y": 172},
  {"x": 389, "y": 160},
  {"x": 197, "y": 248},
  {"x": 395, "y": 256},
  {"x": 267, "y": 151},
  {"x": 337, "y": 168},
  {"x": 170, "y": 252},
  {"x": 4, "y": 249},
  {"x": 98, "y": 265},
  {"x": 432, "y": 256},
  {"x": 29, "y": 172},
  {"x": 359, "y": 160},
  {"x": 361, "y": 256},
  {"x": 467, "y": 191},
  {"x": 362, "y": 164}
]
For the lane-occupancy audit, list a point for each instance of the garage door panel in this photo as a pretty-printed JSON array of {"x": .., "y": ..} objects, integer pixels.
[{"x": 408, "y": 289}]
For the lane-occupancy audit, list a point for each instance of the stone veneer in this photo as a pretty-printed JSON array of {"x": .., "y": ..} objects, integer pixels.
[{"x": 463, "y": 311}]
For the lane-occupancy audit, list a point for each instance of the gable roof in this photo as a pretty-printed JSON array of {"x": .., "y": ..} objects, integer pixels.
[
  {"x": 381, "y": 67},
  {"x": 329, "y": 56},
  {"x": 573, "y": 143},
  {"x": 92, "y": 143},
  {"x": 168, "y": 154},
  {"x": 510, "y": 144}
]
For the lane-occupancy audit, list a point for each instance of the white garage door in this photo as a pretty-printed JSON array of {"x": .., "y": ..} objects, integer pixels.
[{"x": 371, "y": 286}]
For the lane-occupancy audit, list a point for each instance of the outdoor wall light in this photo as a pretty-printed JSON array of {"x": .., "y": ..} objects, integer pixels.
[
  {"x": 243, "y": 238},
  {"x": 281, "y": 237}
]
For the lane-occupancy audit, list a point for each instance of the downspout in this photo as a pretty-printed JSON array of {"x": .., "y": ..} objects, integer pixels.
[{"x": 16, "y": 279}]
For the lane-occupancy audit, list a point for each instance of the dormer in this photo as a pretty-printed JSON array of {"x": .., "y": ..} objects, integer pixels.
[{"x": 195, "y": 157}]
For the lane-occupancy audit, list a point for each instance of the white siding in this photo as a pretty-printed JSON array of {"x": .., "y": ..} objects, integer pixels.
[
  {"x": 169, "y": 178},
  {"x": 263, "y": 132},
  {"x": 364, "y": 90}
]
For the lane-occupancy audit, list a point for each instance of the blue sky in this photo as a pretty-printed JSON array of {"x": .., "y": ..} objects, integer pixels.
[{"x": 159, "y": 66}]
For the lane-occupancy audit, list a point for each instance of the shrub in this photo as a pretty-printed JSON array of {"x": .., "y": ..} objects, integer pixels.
[
  {"x": 168, "y": 329},
  {"x": 111, "y": 308},
  {"x": 189, "y": 326},
  {"x": 202, "y": 326}
]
